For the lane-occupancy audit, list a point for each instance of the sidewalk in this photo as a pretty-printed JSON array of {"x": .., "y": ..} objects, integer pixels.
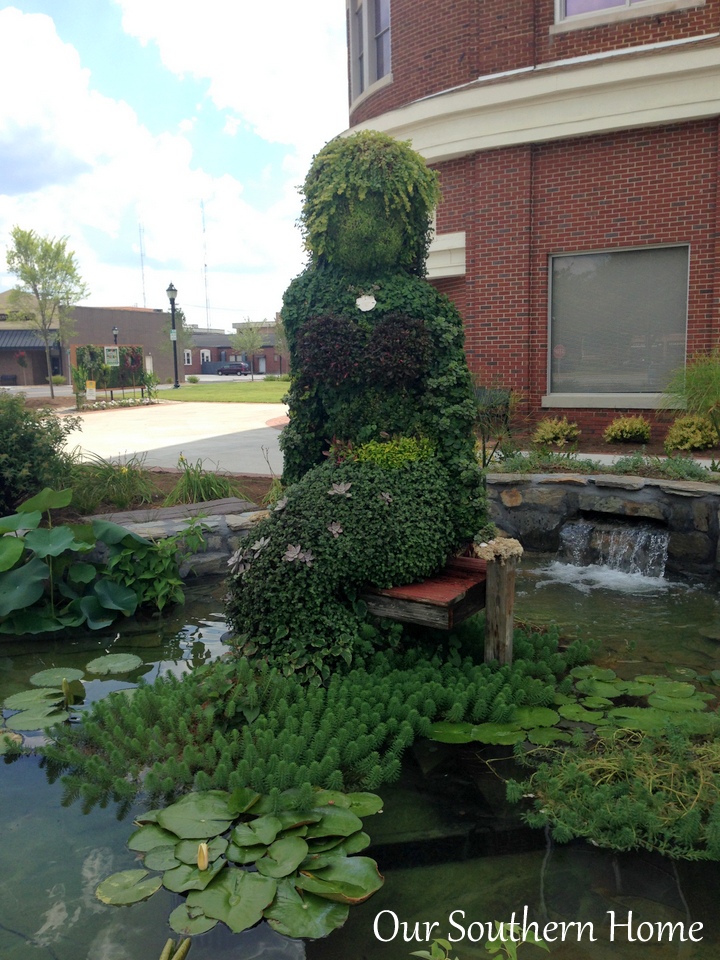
[{"x": 227, "y": 437}]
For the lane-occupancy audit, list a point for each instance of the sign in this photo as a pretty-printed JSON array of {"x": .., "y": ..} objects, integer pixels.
[
  {"x": 112, "y": 356},
  {"x": 173, "y": 334},
  {"x": 90, "y": 390},
  {"x": 559, "y": 351}
]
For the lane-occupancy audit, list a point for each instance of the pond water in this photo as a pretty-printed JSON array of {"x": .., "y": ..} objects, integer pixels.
[{"x": 451, "y": 851}]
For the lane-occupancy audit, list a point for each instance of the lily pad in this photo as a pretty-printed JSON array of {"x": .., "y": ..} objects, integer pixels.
[
  {"x": 262, "y": 830},
  {"x": 578, "y": 713},
  {"x": 675, "y": 688},
  {"x": 198, "y": 815},
  {"x": 128, "y": 886},
  {"x": 244, "y": 855},
  {"x": 347, "y": 880},
  {"x": 238, "y": 898},
  {"x": 596, "y": 703},
  {"x": 39, "y": 719},
  {"x": 187, "y": 877},
  {"x": 54, "y": 676},
  {"x": 114, "y": 663},
  {"x": 161, "y": 859},
  {"x": 445, "y": 732},
  {"x": 334, "y": 822},
  {"x": 306, "y": 916},
  {"x": 187, "y": 850},
  {"x": 26, "y": 699},
  {"x": 283, "y": 857},
  {"x": 602, "y": 688},
  {"x": 150, "y": 836},
  {"x": 504, "y": 734},
  {"x": 530, "y": 717},
  {"x": 674, "y": 704},
  {"x": 593, "y": 672},
  {"x": 639, "y": 718},
  {"x": 544, "y": 736},
  {"x": 190, "y": 921}
]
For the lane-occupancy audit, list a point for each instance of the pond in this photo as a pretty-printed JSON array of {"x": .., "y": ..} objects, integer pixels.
[{"x": 451, "y": 851}]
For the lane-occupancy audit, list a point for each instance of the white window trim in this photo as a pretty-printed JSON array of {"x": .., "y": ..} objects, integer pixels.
[
  {"x": 650, "y": 8},
  {"x": 631, "y": 401},
  {"x": 187, "y": 358},
  {"x": 371, "y": 82}
]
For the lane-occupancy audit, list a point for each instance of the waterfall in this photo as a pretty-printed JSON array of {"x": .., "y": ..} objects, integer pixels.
[{"x": 635, "y": 548}]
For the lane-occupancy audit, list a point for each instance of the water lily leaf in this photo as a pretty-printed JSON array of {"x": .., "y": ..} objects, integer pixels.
[
  {"x": 445, "y": 732},
  {"x": 596, "y": 703},
  {"x": 240, "y": 854},
  {"x": 602, "y": 688},
  {"x": 283, "y": 857},
  {"x": 51, "y": 542},
  {"x": 242, "y": 800},
  {"x": 20, "y": 521},
  {"x": 187, "y": 877},
  {"x": 37, "y": 719},
  {"x": 544, "y": 736},
  {"x": 651, "y": 678},
  {"x": 22, "y": 586},
  {"x": 198, "y": 815},
  {"x": 150, "y": 836},
  {"x": 116, "y": 596},
  {"x": 635, "y": 688},
  {"x": 128, "y": 886},
  {"x": 237, "y": 897},
  {"x": 365, "y": 804},
  {"x": 674, "y": 704},
  {"x": 321, "y": 855},
  {"x": 161, "y": 859},
  {"x": 262, "y": 830},
  {"x": 347, "y": 880},
  {"x": 639, "y": 718},
  {"x": 505, "y": 734},
  {"x": 675, "y": 688},
  {"x": 9, "y": 740},
  {"x": 680, "y": 673},
  {"x": 11, "y": 549},
  {"x": 54, "y": 676},
  {"x": 47, "y": 499},
  {"x": 528, "y": 717},
  {"x": 574, "y": 711},
  {"x": 114, "y": 663},
  {"x": 187, "y": 850},
  {"x": 42, "y": 697},
  {"x": 307, "y": 916},
  {"x": 190, "y": 921},
  {"x": 591, "y": 671},
  {"x": 334, "y": 822}
]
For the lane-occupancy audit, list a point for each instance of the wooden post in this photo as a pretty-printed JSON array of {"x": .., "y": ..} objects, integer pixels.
[{"x": 499, "y": 603}]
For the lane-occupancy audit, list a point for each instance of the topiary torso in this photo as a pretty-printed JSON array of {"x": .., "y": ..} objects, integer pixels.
[{"x": 379, "y": 455}]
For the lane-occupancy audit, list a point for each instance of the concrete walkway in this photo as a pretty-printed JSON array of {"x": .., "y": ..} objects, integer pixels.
[{"x": 227, "y": 437}]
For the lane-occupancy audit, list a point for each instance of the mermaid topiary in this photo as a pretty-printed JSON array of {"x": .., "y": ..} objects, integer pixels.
[{"x": 382, "y": 479}]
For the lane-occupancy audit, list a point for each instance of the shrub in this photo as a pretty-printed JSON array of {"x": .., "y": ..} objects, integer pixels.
[
  {"x": 197, "y": 485},
  {"x": 395, "y": 453},
  {"x": 696, "y": 388},
  {"x": 32, "y": 454},
  {"x": 193, "y": 378},
  {"x": 628, "y": 430},
  {"x": 554, "y": 432},
  {"x": 120, "y": 483},
  {"x": 691, "y": 432}
]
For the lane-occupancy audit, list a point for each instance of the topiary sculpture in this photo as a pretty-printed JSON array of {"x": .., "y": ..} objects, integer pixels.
[{"x": 376, "y": 357}]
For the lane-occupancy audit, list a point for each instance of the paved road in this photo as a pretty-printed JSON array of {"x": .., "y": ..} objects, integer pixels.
[{"x": 228, "y": 437}]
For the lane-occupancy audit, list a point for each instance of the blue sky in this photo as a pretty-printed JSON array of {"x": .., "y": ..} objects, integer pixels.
[{"x": 129, "y": 121}]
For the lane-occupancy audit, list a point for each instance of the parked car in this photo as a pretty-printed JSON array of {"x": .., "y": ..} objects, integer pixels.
[{"x": 238, "y": 369}]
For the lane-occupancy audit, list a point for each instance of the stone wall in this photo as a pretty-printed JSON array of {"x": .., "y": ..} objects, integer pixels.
[{"x": 534, "y": 508}]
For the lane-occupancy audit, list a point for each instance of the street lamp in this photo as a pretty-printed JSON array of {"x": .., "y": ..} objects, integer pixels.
[
  {"x": 115, "y": 333},
  {"x": 172, "y": 293}
]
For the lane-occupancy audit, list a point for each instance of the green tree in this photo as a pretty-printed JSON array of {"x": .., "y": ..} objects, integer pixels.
[
  {"x": 248, "y": 340},
  {"x": 49, "y": 285},
  {"x": 184, "y": 334}
]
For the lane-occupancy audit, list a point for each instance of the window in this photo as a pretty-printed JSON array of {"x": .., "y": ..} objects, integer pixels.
[
  {"x": 599, "y": 10},
  {"x": 369, "y": 29},
  {"x": 204, "y": 356},
  {"x": 188, "y": 358},
  {"x": 617, "y": 320}
]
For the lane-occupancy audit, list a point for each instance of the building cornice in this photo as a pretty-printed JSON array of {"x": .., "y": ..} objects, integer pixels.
[{"x": 585, "y": 97}]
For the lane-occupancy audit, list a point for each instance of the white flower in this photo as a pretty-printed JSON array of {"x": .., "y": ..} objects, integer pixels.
[
  {"x": 292, "y": 553},
  {"x": 335, "y": 529},
  {"x": 340, "y": 490}
]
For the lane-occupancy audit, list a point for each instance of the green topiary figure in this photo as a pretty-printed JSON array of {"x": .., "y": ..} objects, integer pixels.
[{"x": 380, "y": 467}]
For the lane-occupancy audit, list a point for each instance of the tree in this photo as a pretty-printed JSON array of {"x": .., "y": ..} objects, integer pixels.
[
  {"x": 184, "y": 334},
  {"x": 49, "y": 285},
  {"x": 248, "y": 340}
]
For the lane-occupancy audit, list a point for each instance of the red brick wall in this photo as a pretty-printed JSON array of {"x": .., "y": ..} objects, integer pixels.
[
  {"x": 440, "y": 44},
  {"x": 520, "y": 205}
]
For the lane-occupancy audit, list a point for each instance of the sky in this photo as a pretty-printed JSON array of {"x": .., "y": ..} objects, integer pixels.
[{"x": 167, "y": 140}]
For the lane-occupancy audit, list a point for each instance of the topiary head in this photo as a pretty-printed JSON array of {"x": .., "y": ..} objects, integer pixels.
[{"x": 368, "y": 207}]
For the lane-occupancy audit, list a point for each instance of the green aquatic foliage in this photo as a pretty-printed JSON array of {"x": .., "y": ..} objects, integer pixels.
[
  {"x": 234, "y": 724},
  {"x": 241, "y": 856}
]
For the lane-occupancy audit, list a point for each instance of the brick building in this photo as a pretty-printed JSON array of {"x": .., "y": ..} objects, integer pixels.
[{"x": 577, "y": 145}]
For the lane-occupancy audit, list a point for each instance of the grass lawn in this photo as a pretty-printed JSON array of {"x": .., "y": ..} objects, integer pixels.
[{"x": 234, "y": 391}]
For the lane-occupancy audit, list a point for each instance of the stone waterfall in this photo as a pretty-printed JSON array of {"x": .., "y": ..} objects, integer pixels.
[{"x": 636, "y": 548}]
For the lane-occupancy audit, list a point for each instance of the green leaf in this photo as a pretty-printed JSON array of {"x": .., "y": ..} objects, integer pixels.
[
  {"x": 22, "y": 586},
  {"x": 27, "y": 699},
  {"x": 128, "y": 886},
  {"x": 242, "y": 799},
  {"x": 348, "y": 880},
  {"x": 283, "y": 857},
  {"x": 95, "y": 613},
  {"x": 54, "y": 676},
  {"x": 11, "y": 549},
  {"x": 675, "y": 704},
  {"x": 498, "y": 733},
  {"x": 445, "y": 732},
  {"x": 38, "y": 719},
  {"x": 308, "y": 916},
  {"x": 161, "y": 859},
  {"x": 262, "y": 830},
  {"x": 544, "y": 736},
  {"x": 244, "y": 855},
  {"x": 150, "y": 836},
  {"x": 334, "y": 822},
  {"x": 187, "y": 850},
  {"x": 51, "y": 542},
  {"x": 116, "y": 596},
  {"x": 114, "y": 663},
  {"x": 47, "y": 499},
  {"x": 237, "y": 898},
  {"x": 190, "y": 921},
  {"x": 82, "y": 573},
  {"x": 112, "y": 533},
  {"x": 188, "y": 877},
  {"x": 198, "y": 815},
  {"x": 20, "y": 521},
  {"x": 528, "y": 717},
  {"x": 574, "y": 711}
]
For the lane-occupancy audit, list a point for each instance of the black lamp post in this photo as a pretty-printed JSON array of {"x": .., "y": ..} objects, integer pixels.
[
  {"x": 172, "y": 293},
  {"x": 115, "y": 333}
]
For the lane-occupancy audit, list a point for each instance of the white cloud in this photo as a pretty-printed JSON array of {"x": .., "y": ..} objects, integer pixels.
[{"x": 83, "y": 166}]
